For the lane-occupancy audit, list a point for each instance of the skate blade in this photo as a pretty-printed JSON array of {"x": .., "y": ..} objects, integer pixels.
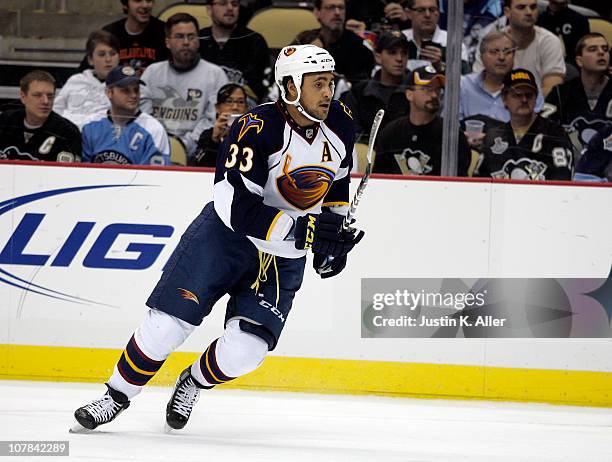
[
  {"x": 78, "y": 428},
  {"x": 168, "y": 428}
]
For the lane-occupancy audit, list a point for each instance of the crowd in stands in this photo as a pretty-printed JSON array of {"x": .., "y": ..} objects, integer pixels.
[{"x": 535, "y": 94}]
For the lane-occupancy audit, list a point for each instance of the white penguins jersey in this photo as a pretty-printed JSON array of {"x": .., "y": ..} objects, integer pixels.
[{"x": 271, "y": 171}]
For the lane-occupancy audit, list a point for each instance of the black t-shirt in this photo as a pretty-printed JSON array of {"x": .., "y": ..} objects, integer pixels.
[
  {"x": 543, "y": 153},
  {"x": 407, "y": 149},
  {"x": 567, "y": 23},
  {"x": 57, "y": 140},
  {"x": 244, "y": 57},
  {"x": 143, "y": 49}
]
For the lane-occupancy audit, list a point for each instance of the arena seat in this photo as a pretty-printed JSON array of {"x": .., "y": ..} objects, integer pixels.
[
  {"x": 178, "y": 153},
  {"x": 362, "y": 156},
  {"x": 197, "y": 10},
  {"x": 280, "y": 26},
  {"x": 602, "y": 26}
]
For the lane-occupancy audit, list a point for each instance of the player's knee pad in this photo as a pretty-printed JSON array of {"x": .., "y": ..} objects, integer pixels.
[
  {"x": 160, "y": 334},
  {"x": 239, "y": 352}
]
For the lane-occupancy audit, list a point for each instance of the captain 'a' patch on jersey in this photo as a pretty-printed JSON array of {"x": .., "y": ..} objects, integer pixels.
[{"x": 270, "y": 171}]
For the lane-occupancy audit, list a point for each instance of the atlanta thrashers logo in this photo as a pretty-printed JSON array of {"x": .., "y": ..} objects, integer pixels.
[
  {"x": 305, "y": 186},
  {"x": 188, "y": 295},
  {"x": 289, "y": 51}
]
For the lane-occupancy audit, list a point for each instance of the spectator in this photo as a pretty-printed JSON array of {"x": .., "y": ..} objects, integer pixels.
[
  {"x": 140, "y": 34},
  {"x": 481, "y": 92},
  {"x": 411, "y": 145},
  {"x": 35, "y": 132},
  {"x": 596, "y": 162},
  {"x": 353, "y": 59},
  {"x": 566, "y": 23},
  {"x": 386, "y": 89},
  {"x": 584, "y": 104},
  {"x": 125, "y": 136},
  {"x": 427, "y": 41},
  {"x": 539, "y": 50},
  {"x": 477, "y": 15},
  {"x": 528, "y": 147},
  {"x": 231, "y": 104},
  {"x": 181, "y": 92},
  {"x": 377, "y": 16},
  {"x": 83, "y": 97},
  {"x": 242, "y": 53}
]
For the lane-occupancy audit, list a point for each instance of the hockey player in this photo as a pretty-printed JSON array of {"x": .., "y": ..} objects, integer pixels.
[
  {"x": 125, "y": 135},
  {"x": 35, "y": 132},
  {"x": 281, "y": 188},
  {"x": 528, "y": 147}
]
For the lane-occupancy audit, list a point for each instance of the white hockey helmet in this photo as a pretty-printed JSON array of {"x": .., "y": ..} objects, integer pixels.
[{"x": 296, "y": 60}]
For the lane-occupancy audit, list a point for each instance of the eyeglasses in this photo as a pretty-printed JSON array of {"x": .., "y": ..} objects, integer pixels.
[
  {"x": 422, "y": 10},
  {"x": 529, "y": 95},
  {"x": 505, "y": 52},
  {"x": 181, "y": 37},
  {"x": 334, "y": 7},
  {"x": 240, "y": 101},
  {"x": 233, "y": 3}
]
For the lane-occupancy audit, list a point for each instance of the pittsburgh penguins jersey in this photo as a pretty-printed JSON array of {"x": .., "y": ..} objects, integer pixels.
[
  {"x": 543, "y": 153},
  {"x": 271, "y": 171},
  {"x": 408, "y": 149},
  {"x": 141, "y": 141},
  {"x": 596, "y": 162},
  {"x": 57, "y": 140},
  {"x": 568, "y": 105}
]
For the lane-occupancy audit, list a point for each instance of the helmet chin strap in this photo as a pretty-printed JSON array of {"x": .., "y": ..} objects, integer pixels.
[{"x": 301, "y": 109}]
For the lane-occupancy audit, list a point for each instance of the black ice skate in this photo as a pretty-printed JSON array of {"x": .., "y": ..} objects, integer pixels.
[
  {"x": 100, "y": 411},
  {"x": 186, "y": 393}
]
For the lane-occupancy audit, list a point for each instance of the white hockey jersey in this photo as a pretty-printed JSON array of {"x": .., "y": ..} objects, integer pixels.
[
  {"x": 184, "y": 102},
  {"x": 82, "y": 99},
  {"x": 271, "y": 171}
]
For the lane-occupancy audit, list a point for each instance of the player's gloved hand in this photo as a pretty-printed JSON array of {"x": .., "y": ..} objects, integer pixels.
[
  {"x": 323, "y": 233},
  {"x": 328, "y": 267}
]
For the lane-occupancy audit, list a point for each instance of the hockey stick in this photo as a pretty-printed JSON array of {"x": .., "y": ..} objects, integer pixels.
[{"x": 350, "y": 215}]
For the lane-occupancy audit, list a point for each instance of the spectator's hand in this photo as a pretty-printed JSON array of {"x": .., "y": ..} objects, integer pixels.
[
  {"x": 474, "y": 139},
  {"x": 396, "y": 12},
  {"x": 221, "y": 127},
  {"x": 355, "y": 26},
  {"x": 432, "y": 54}
]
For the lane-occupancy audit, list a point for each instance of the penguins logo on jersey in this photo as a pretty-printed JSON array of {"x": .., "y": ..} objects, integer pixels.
[
  {"x": 522, "y": 169},
  {"x": 587, "y": 128},
  {"x": 607, "y": 143},
  {"x": 305, "y": 186},
  {"x": 413, "y": 162},
  {"x": 249, "y": 121}
]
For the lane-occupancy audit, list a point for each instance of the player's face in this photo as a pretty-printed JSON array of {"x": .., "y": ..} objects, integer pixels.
[
  {"x": 393, "y": 61},
  {"x": 103, "y": 60},
  {"x": 224, "y": 13},
  {"x": 424, "y": 15},
  {"x": 125, "y": 99},
  {"x": 183, "y": 43},
  {"x": 235, "y": 104},
  {"x": 317, "y": 93},
  {"x": 38, "y": 100},
  {"x": 498, "y": 57},
  {"x": 332, "y": 14},
  {"x": 595, "y": 55},
  {"x": 140, "y": 10},
  {"x": 426, "y": 98},
  {"x": 523, "y": 14},
  {"x": 520, "y": 101}
]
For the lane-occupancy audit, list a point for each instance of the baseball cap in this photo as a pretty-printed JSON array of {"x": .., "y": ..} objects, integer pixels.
[
  {"x": 122, "y": 76},
  {"x": 424, "y": 75},
  {"x": 390, "y": 40},
  {"x": 520, "y": 77}
]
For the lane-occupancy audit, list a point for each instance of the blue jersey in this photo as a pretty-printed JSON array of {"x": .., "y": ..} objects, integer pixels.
[
  {"x": 270, "y": 171},
  {"x": 142, "y": 141}
]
